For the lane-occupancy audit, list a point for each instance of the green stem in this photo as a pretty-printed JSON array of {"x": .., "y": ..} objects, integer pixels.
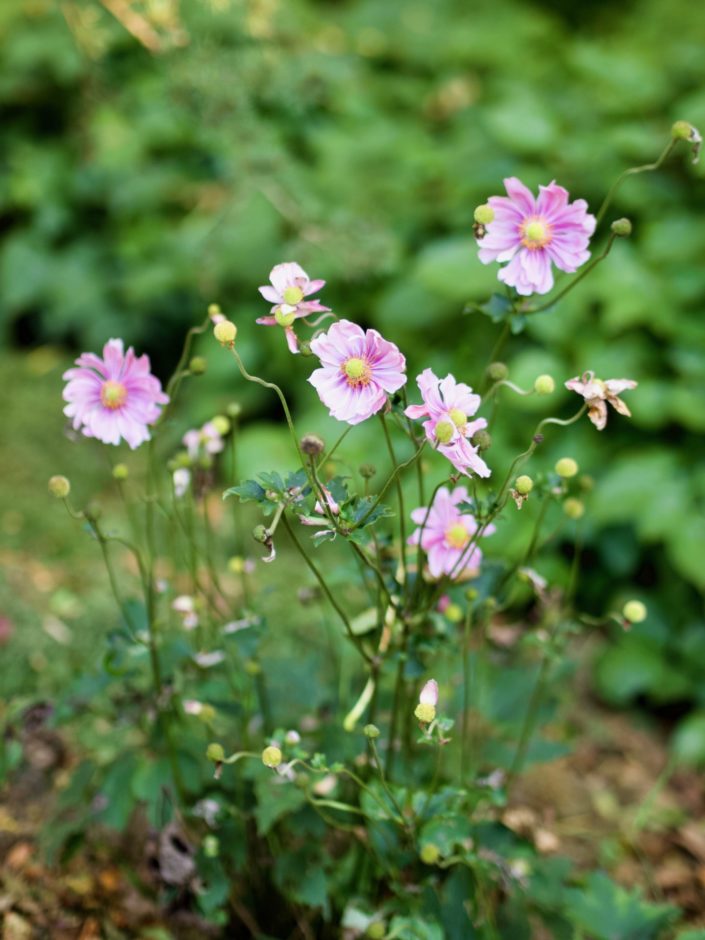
[
  {"x": 632, "y": 172},
  {"x": 466, "y": 696},
  {"x": 400, "y": 498},
  {"x": 335, "y": 446},
  {"x": 397, "y": 470},
  {"x": 383, "y": 779},
  {"x": 576, "y": 280}
]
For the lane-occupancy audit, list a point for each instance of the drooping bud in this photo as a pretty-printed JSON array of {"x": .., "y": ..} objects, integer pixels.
[
  {"x": 524, "y": 484},
  {"x": 215, "y": 753},
  {"x": 120, "y": 471},
  {"x": 574, "y": 508},
  {"x": 683, "y": 130},
  {"x": 634, "y": 611},
  {"x": 198, "y": 365},
  {"x": 272, "y": 756},
  {"x": 482, "y": 440},
  {"x": 260, "y": 534},
  {"x": 312, "y": 445},
  {"x": 566, "y": 467},
  {"x": 544, "y": 384},
  {"x": 484, "y": 214},
  {"x": 622, "y": 227},
  {"x": 59, "y": 486},
  {"x": 497, "y": 371},
  {"x": 225, "y": 332}
]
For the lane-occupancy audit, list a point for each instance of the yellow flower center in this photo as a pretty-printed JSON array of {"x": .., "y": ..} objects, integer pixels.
[
  {"x": 356, "y": 371},
  {"x": 457, "y": 536},
  {"x": 444, "y": 432},
  {"x": 458, "y": 417},
  {"x": 113, "y": 394},
  {"x": 293, "y": 295},
  {"x": 535, "y": 233},
  {"x": 284, "y": 317}
]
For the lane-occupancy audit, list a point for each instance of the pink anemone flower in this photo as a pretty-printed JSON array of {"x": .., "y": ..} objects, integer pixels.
[
  {"x": 598, "y": 394},
  {"x": 359, "y": 369},
  {"x": 446, "y": 535},
  {"x": 114, "y": 398},
  {"x": 534, "y": 233},
  {"x": 289, "y": 287},
  {"x": 447, "y": 405}
]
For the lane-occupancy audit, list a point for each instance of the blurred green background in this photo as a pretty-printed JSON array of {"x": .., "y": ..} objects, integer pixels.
[{"x": 158, "y": 156}]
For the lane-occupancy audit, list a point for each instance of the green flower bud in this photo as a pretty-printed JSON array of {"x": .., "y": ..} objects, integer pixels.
[
  {"x": 429, "y": 853},
  {"x": 198, "y": 365},
  {"x": 454, "y": 613},
  {"x": 622, "y": 227},
  {"x": 484, "y": 214},
  {"x": 634, "y": 611},
  {"x": 573, "y": 508},
  {"x": 214, "y": 310},
  {"x": 215, "y": 753},
  {"x": 211, "y": 846},
  {"x": 260, "y": 534},
  {"x": 371, "y": 731},
  {"x": 271, "y": 756},
  {"x": 566, "y": 467},
  {"x": 59, "y": 486},
  {"x": 682, "y": 130},
  {"x": 120, "y": 471},
  {"x": 544, "y": 385},
  {"x": 524, "y": 485},
  {"x": 367, "y": 471},
  {"x": 233, "y": 410},
  {"x": 482, "y": 440},
  {"x": 377, "y": 930},
  {"x": 221, "y": 424},
  {"x": 305, "y": 348},
  {"x": 497, "y": 371}
]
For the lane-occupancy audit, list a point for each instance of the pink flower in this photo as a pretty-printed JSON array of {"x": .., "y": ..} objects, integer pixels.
[
  {"x": 597, "y": 393},
  {"x": 114, "y": 398},
  {"x": 448, "y": 405},
  {"x": 531, "y": 233},
  {"x": 446, "y": 533},
  {"x": 290, "y": 284},
  {"x": 207, "y": 440},
  {"x": 429, "y": 693},
  {"x": 360, "y": 369}
]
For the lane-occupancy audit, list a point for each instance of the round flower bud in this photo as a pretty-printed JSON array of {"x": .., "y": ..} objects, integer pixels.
[
  {"x": 634, "y": 611},
  {"x": 497, "y": 371},
  {"x": 482, "y": 440},
  {"x": 120, "y": 471},
  {"x": 377, "y": 930},
  {"x": 622, "y": 227},
  {"x": 271, "y": 756},
  {"x": 682, "y": 130},
  {"x": 524, "y": 484},
  {"x": 260, "y": 534},
  {"x": 425, "y": 712},
  {"x": 211, "y": 846},
  {"x": 221, "y": 424},
  {"x": 59, "y": 486},
  {"x": 225, "y": 332},
  {"x": 566, "y": 467},
  {"x": 198, "y": 365},
  {"x": 454, "y": 613},
  {"x": 233, "y": 410},
  {"x": 312, "y": 445},
  {"x": 544, "y": 385},
  {"x": 429, "y": 853},
  {"x": 371, "y": 731},
  {"x": 367, "y": 471},
  {"x": 483, "y": 214},
  {"x": 215, "y": 753},
  {"x": 573, "y": 508},
  {"x": 214, "y": 310},
  {"x": 292, "y": 737}
]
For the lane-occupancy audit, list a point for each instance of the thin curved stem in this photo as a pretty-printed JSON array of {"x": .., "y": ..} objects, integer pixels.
[
  {"x": 632, "y": 171},
  {"x": 576, "y": 280}
]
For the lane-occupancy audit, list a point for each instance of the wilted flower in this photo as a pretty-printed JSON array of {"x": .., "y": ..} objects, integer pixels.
[
  {"x": 428, "y": 699},
  {"x": 448, "y": 405},
  {"x": 533, "y": 233},
  {"x": 114, "y": 398},
  {"x": 597, "y": 393},
  {"x": 447, "y": 533},
  {"x": 290, "y": 285},
  {"x": 359, "y": 369},
  {"x": 182, "y": 480}
]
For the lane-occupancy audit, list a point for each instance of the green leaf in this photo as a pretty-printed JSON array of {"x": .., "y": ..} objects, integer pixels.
[
  {"x": 248, "y": 491},
  {"x": 609, "y": 912},
  {"x": 688, "y": 743},
  {"x": 276, "y": 798}
]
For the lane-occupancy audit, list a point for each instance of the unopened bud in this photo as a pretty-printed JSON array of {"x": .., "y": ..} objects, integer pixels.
[
  {"x": 371, "y": 731},
  {"x": 312, "y": 445},
  {"x": 429, "y": 853},
  {"x": 622, "y": 227},
  {"x": 221, "y": 424},
  {"x": 573, "y": 508},
  {"x": 271, "y": 756},
  {"x": 233, "y": 410},
  {"x": 198, "y": 365},
  {"x": 225, "y": 332},
  {"x": 482, "y": 440},
  {"x": 120, "y": 471},
  {"x": 454, "y": 613},
  {"x": 215, "y": 753},
  {"x": 367, "y": 471},
  {"x": 497, "y": 371},
  {"x": 544, "y": 385},
  {"x": 305, "y": 348},
  {"x": 484, "y": 214},
  {"x": 292, "y": 737},
  {"x": 634, "y": 611},
  {"x": 59, "y": 486},
  {"x": 377, "y": 930},
  {"x": 211, "y": 846},
  {"x": 214, "y": 311},
  {"x": 566, "y": 467},
  {"x": 682, "y": 130},
  {"x": 524, "y": 485},
  {"x": 260, "y": 534}
]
